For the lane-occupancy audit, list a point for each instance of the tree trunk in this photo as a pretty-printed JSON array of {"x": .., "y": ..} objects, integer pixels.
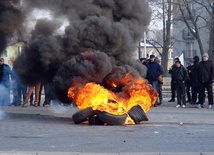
[
  {"x": 191, "y": 22},
  {"x": 211, "y": 44},
  {"x": 167, "y": 39}
]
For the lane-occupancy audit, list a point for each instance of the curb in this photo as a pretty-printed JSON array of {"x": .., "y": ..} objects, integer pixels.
[{"x": 77, "y": 153}]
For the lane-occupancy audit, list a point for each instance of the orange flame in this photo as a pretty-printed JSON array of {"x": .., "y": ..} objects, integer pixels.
[{"x": 135, "y": 91}]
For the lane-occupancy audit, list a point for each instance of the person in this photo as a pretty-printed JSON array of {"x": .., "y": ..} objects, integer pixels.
[
  {"x": 31, "y": 99},
  {"x": 30, "y": 90},
  {"x": 206, "y": 76},
  {"x": 173, "y": 85},
  {"x": 49, "y": 95},
  {"x": 40, "y": 93},
  {"x": 160, "y": 83},
  {"x": 153, "y": 72},
  {"x": 144, "y": 62},
  {"x": 189, "y": 80},
  {"x": 195, "y": 81},
  {"x": 179, "y": 76},
  {"x": 19, "y": 91},
  {"x": 5, "y": 74}
]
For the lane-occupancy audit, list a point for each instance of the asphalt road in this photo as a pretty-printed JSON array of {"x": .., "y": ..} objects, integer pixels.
[{"x": 169, "y": 129}]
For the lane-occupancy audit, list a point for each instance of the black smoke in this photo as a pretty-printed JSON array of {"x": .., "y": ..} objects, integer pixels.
[
  {"x": 101, "y": 35},
  {"x": 11, "y": 20}
]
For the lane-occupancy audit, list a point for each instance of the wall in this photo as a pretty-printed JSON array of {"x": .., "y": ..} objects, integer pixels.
[{"x": 11, "y": 53}]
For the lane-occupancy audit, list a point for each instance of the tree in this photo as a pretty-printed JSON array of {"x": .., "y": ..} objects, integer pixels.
[
  {"x": 165, "y": 15},
  {"x": 190, "y": 20},
  {"x": 166, "y": 35},
  {"x": 204, "y": 13}
]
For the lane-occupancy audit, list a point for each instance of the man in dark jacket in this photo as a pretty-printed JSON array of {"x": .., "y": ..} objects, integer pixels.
[
  {"x": 179, "y": 76},
  {"x": 195, "y": 82},
  {"x": 154, "y": 70},
  {"x": 173, "y": 89},
  {"x": 189, "y": 80},
  {"x": 5, "y": 73},
  {"x": 206, "y": 76},
  {"x": 19, "y": 90}
]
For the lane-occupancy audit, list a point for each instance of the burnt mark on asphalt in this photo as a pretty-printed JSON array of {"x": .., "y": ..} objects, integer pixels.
[
  {"x": 37, "y": 118},
  {"x": 24, "y": 137}
]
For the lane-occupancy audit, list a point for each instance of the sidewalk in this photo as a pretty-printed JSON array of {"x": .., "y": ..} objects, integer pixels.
[{"x": 76, "y": 153}]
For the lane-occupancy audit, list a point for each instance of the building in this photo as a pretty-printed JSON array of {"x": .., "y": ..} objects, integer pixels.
[
  {"x": 12, "y": 52},
  {"x": 150, "y": 49},
  {"x": 184, "y": 41}
]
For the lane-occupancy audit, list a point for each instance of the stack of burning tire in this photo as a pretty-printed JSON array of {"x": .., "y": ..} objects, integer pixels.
[{"x": 96, "y": 117}]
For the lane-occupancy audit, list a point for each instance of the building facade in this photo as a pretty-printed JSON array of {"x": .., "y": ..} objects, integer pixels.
[
  {"x": 184, "y": 41},
  {"x": 145, "y": 50},
  {"x": 12, "y": 52}
]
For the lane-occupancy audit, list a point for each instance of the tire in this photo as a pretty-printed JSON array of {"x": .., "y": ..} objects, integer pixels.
[
  {"x": 137, "y": 114},
  {"x": 83, "y": 115},
  {"x": 95, "y": 121},
  {"x": 111, "y": 119}
]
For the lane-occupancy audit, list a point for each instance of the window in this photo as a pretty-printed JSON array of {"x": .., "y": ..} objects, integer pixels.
[
  {"x": 5, "y": 53},
  {"x": 19, "y": 50},
  {"x": 189, "y": 50},
  {"x": 170, "y": 54}
]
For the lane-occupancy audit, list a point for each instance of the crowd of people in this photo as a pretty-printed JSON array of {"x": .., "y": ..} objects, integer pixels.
[
  {"x": 191, "y": 82},
  {"x": 22, "y": 95}
]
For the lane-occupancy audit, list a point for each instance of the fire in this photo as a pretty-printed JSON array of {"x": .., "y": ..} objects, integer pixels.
[
  {"x": 134, "y": 91},
  {"x": 114, "y": 85}
]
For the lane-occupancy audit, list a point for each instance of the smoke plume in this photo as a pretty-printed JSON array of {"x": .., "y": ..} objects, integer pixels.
[
  {"x": 101, "y": 35},
  {"x": 11, "y": 20}
]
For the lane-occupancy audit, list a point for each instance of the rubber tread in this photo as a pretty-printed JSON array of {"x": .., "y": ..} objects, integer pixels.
[
  {"x": 137, "y": 114},
  {"x": 83, "y": 115},
  {"x": 111, "y": 119}
]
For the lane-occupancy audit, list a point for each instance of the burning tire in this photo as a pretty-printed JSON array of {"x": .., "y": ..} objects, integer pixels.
[
  {"x": 83, "y": 115},
  {"x": 137, "y": 114},
  {"x": 95, "y": 121},
  {"x": 111, "y": 119}
]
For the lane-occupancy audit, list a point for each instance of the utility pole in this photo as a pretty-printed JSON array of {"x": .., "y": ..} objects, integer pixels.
[
  {"x": 139, "y": 51},
  {"x": 144, "y": 37},
  {"x": 164, "y": 24}
]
